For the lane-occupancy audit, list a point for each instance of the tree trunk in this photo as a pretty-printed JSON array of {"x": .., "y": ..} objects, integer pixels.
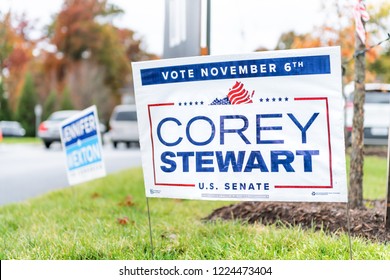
[
  {"x": 387, "y": 223},
  {"x": 356, "y": 167}
]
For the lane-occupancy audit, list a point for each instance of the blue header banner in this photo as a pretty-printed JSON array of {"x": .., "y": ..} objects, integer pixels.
[
  {"x": 80, "y": 129},
  {"x": 272, "y": 67}
]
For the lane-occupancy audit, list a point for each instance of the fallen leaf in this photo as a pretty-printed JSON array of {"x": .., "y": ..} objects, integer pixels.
[
  {"x": 95, "y": 195},
  {"x": 127, "y": 202},
  {"x": 123, "y": 221}
]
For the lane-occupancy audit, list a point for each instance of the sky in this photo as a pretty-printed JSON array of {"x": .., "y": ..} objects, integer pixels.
[{"x": 237, "y": 26}]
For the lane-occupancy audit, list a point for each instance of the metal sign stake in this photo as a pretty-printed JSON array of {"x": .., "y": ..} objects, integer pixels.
[
  {"x": 150, "y": 228},
  {"x": 349, "y": 231}
]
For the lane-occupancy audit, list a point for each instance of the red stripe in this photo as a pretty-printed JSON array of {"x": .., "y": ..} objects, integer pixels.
[
  {"x": 236, "y": 89},
  {"x": 174, "y": 185},
  {"x": 236, "y": 95},
  {"x": 239, "y": 95},
  {"x": 243, "y": 98}
]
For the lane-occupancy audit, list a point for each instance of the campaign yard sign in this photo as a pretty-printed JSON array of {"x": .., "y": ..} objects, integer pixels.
[
  {"x": 264, "y": 126},
  {"x": 81, "y": 142}
]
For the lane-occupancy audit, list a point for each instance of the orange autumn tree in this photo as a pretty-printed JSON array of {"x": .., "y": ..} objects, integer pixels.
[
  {"x": 89, "y": 61},
  {"x": 340, "y": 31},
  {"x": 15, "y": 54},
  {"x": 92, "y": 57}
]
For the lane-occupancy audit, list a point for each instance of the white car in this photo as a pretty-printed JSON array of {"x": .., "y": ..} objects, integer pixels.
[
  {"x": 12, "y": 129},
  {"x": 376, "y": 113},
  {"x": 49, "y": 130},
  {"x": 124, "y": 125}
]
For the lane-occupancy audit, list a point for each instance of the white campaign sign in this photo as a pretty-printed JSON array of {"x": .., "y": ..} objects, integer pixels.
[
  {"x": 81, "y": 142},
  {"x": 264, "y": 126}
]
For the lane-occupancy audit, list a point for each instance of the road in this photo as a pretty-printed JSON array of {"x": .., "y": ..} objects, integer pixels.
[{"x": 29, "y": 170}]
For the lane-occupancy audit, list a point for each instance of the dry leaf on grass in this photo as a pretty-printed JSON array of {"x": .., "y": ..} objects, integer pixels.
[
  {"x": 124, "y": 221},
  {"x": 128, "y": 201}
]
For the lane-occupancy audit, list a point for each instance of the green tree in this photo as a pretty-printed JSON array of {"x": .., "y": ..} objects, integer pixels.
[
  {"x": 117, "y": 66},
  {"x": 5, "y": 112},
  {"x": 50, "y": 105},
  {"x": 5, "y": 40},
  {"x": 286, "y": 40},
  {"x": 79, "y": 33},
  {"x": 93, "y": 56},
  {"x": 380, "y": 16},
  {"x": 15, "y": 54},
  {"x": 26, "y": 105},
  {"x": 66, "y": 102},
  {"x": 382, "y": 66}
]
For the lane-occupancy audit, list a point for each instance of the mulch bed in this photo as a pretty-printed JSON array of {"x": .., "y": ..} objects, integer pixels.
[
  {"x": 368, "y": 222},
  {"x": 380, "y": 151},
  {"x": 330, "y": 217}
]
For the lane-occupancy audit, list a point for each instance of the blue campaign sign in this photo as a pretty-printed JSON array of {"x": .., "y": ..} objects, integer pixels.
[{"x": 81, "y": 142}]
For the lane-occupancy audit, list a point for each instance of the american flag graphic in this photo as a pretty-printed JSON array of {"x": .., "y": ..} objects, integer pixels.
[{"x": 239, "y": 95}]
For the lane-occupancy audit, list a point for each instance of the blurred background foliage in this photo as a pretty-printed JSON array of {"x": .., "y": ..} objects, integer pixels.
[{"x": 83, "y": 59}]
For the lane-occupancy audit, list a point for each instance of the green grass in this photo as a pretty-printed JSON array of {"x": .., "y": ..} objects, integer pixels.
[
  {"x": 21, "y": 140},
  {"x": 374, "y": 177},
  {"x": 82, "y": 222},
  {"x": 375, "y": 170}
]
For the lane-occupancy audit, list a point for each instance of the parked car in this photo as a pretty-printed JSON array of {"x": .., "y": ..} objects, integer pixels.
[
  {"x": 124, "y": 126},
  {"x": 376, "y": 113},
  {"x": 49, "y": 130},
  {"x": 12, "y": 129}
]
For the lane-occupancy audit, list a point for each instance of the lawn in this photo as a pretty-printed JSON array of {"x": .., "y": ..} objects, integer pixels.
[
  {"x": 374, "y": 178},
  {"x": 21, "y": 140},
  {"x": 108, "y": 219}
]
